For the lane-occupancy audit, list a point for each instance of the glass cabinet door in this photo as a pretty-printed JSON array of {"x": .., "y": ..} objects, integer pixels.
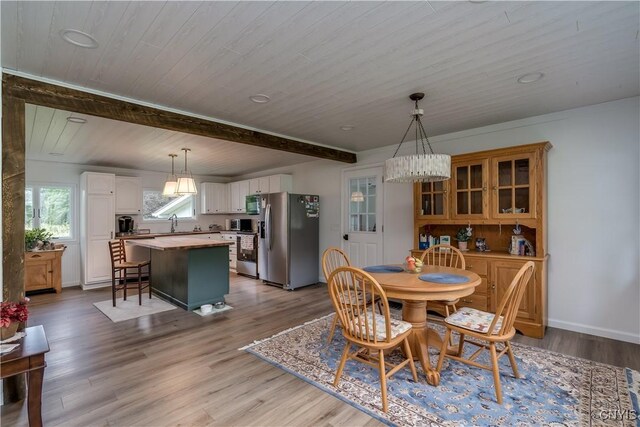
[
  {"x": 470, "y": 189},
  {"x": 513, "y": 186},
  {"x": 432, "y": 200}
]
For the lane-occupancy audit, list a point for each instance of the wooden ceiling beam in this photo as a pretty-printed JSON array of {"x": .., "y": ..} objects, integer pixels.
[{"x": 60, "y": 97}]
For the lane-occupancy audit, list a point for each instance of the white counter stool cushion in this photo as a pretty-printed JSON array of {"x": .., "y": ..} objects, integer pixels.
[
  {"x": 488, "y": 329},
  {"x": 367, "y": 323},
  {"x": 474, "y": 320},
  {"x": 368, "y": 331}
]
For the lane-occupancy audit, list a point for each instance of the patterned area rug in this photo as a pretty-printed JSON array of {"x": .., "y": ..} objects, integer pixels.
[{"x": 554, "y": 389}]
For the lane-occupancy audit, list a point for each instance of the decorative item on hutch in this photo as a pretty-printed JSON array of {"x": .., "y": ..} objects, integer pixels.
[
  {"x": 425, "y": 167},
  {"x": 463, "y": 236}
]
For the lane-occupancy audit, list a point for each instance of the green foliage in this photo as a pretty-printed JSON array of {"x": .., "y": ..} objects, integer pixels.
[
  {"x": 31, "y": 237},
  {"x": 463, "y": 235}
]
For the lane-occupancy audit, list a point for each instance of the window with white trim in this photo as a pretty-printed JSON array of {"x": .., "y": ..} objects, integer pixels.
[
  {"x": 155, "y": 206},
  {"x": 50, "y": 207}
]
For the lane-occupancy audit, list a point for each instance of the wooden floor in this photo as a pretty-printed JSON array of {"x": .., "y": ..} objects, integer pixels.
[{"x": 177, "y": 368}]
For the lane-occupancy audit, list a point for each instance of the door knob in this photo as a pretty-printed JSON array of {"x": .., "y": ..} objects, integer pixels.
[{"x": 345, "y": 237}]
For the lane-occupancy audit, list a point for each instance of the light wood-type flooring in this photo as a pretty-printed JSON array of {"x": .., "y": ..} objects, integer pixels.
[{"x": 177, "y": 368}]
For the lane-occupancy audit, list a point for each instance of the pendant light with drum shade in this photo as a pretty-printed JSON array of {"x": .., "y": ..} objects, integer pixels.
[
  {"x": 172, "y": 181},
  {"x": 186, "y": 183},
  {"x": 419, "y": 167}
]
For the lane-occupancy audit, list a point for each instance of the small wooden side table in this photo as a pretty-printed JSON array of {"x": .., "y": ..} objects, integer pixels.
[{"x": 29, "y": 358}]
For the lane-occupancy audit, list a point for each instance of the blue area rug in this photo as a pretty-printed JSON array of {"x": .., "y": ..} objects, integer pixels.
[{"x": 554, "y": 389}]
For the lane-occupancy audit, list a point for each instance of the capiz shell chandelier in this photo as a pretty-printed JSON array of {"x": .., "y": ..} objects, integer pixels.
[{"x": 419, "y": 167}]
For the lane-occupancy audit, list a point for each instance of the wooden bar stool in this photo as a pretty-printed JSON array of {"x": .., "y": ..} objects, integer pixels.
[{"x": 122, "y": 271}]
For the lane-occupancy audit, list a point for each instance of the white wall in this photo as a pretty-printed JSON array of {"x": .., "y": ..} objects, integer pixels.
[{"x": 593, "y": 208}]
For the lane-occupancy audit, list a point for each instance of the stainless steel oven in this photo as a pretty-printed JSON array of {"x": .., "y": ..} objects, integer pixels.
[{"x": 247, "y": 263}]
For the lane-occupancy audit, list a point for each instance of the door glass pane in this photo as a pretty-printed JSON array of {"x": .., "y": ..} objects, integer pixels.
[
  {"x": 438, "y": 204},
  {"x": 55, "y": 211},
  {"x": 438, "y": 186},
  {"x": 476, "y": 176},
  {"x": 426, "y": 187},
  {"x": 362, "y": 215},
  {"x": 504, "y": 201},
  {"x": 522, "y": 171},
  {"x": 462, "y": 181},
  {"x": 28, "y": 208},
  {"x": 504, "y": 173},
  {"x": 522, "y": 200},
  {"x": 463, "y": 206},
  {"x": 476, "y": 202}
]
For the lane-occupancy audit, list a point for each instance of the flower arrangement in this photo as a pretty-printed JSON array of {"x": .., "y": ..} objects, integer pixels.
[
  {"x": 11, "y": 312},
  {"x": 37, "y": 238},
  {"x": 464, "y": 234}
]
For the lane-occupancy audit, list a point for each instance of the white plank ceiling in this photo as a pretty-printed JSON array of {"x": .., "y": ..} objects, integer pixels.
[{"x": 329, "y": 64}]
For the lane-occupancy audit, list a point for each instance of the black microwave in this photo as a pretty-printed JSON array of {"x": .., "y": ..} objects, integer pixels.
[{"x": 252, "y": 205}]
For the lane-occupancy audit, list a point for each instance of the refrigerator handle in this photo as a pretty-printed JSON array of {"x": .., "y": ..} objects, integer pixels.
[{"x": 267, "y": 218}]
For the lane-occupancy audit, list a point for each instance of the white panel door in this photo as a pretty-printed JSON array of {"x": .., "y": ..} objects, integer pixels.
[
  {"x": 362, "y": 201},
  {"x": 101, "y": 183},
  {"x": 98, "y": 261},
  {"x": 128, "y": 195}
]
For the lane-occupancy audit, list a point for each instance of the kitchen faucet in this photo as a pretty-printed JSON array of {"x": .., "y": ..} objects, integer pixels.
[{"x": 174, "y": 222}]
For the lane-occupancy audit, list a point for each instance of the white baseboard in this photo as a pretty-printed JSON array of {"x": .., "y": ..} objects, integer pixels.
[
  {"x": 86, "y": 287},
  {"x": 594, "y": 330},
  {"x": 70, "y": 284}
]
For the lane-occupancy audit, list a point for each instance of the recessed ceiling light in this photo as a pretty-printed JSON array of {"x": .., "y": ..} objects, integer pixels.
[
  {"x": 347, "y": 128},
  {"x": 78, "y": 38},
  {"x": 56, "y": 154},
  {"x": 74, "y": 119},
  {"x": 260, "y": 98},
  {"x": 530, "y": 77}
]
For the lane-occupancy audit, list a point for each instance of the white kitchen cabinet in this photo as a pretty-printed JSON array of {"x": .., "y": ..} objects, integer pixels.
[
  {"x": 280, "y": 183},
  {"x": 100, "y": 183},
  {"x": 97, "y": 225},
  {"x": 214, "y": 198},
  {"x": 238, "y": 191},
  {"x": 259, "y": 185},
  {"x": 233, "y": 249},
  {"x": 128, "y": 195}
]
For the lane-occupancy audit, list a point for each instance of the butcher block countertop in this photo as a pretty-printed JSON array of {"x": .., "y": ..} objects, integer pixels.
[{"x": 178, "y": 242}]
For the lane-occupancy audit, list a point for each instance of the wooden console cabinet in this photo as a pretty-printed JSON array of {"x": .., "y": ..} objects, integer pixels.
[
  {"x": 492, "y": 191},
  {"x": 43, "y": 270}
]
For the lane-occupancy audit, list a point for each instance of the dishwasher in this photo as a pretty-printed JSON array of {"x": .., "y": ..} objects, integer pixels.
[{"x": 247, "y": 250}]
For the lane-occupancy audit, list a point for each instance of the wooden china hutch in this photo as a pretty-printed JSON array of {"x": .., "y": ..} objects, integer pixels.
[{"x": 492, "y": 191}]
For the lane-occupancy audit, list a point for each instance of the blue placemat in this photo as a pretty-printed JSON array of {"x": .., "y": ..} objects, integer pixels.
[
  {"x": 383, "y": 269},
  {"x": 443, "y": 278}
]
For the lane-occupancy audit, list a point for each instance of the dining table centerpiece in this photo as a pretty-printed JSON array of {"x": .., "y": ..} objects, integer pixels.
[{"x": 11, "y": 314}]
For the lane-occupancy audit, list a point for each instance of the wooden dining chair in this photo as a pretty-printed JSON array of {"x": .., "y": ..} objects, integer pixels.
[
  {"x": 369, "y": 331},
  {"x": 490, "y": 328},
  {"x": 123, "y": 271},
  {"x": 332, "y": 258},
  {"x": 445, "y": 256}
]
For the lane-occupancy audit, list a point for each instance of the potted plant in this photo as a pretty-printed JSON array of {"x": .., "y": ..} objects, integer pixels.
[
  {"x": 11, "y": 314},
  {"x": 37, "y": 238},
  {"x": 463, "y": 237}
]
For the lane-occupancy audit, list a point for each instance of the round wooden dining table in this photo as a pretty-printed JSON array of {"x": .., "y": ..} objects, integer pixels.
[{"x": 414, "y": 293}]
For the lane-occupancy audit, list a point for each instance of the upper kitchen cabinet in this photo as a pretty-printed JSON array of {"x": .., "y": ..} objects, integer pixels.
[
  {"x": 259, "y": 185},
  {"x": 100, "y": 183},
  {"x": 238, "y": 192},
  {"x": 271, "y": 184},
  {"x": 214, "y": 198},
  {"x": 128, "y": 195},
  {"x": 279, "y": 183}
]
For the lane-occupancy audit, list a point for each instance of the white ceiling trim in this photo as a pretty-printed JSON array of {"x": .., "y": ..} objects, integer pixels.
[{"x": 163, "y": 108}]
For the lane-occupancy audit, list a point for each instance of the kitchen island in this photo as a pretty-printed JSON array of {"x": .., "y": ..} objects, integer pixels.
[{"x": 188, "y": 271}]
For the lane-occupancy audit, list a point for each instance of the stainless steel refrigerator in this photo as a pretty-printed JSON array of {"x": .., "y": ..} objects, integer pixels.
[{"x": 288, "y": 246}]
